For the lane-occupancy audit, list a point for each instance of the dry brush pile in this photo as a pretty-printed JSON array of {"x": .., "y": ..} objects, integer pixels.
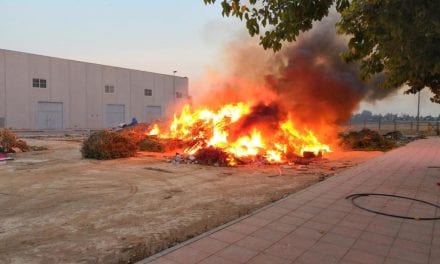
[{"x": 9, "y": 143}]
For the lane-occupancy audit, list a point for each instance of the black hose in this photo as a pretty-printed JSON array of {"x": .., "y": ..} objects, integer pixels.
[{"x": 352, "y": 197}]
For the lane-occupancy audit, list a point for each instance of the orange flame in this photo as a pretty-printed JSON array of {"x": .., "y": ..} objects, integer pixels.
[{"x": 207, "y": 127}]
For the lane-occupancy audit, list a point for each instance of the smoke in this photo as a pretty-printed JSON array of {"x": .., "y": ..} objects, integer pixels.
[{"x": 306, "y": 79}]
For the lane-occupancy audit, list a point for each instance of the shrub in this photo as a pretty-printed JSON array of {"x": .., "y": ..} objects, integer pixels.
[
  {"x": 366, "y": 139},
  {"x": 151, "y": 144},
  {"x": 105, "y": 144},
  {"x": 9, "y": 141}
]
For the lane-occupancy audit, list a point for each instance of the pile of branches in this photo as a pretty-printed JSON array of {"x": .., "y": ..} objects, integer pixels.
[
  {"x": 9, "y": 142},
  {"x": 212, "y": 156},
  {"x": 106, "y": 144},
  {"x": 366, "y": 139}
]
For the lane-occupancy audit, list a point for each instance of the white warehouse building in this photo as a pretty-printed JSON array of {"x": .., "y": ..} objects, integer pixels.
[{"x": 41, "y": 92}]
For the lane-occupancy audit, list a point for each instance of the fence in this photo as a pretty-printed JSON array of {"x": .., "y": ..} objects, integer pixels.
[{"x": 429, "y": 128}]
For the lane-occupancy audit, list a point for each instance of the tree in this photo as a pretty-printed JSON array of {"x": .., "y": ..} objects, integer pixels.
[{"x": 400, "y": 38}]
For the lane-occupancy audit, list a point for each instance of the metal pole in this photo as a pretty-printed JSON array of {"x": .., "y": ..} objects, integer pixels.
[
  {"x": 418, "y": 113},
  {"x": 174, "y": 85}
]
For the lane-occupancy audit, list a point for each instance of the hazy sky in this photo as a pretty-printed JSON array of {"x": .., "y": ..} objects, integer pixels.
[{"x": 158, "y": 36}]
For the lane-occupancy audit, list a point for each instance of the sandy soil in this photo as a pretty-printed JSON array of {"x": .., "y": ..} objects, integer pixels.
[{"x": 58, "y": 208}]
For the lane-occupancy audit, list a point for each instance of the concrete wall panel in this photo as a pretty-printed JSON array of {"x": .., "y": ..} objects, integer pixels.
[
  {"x": 94, "y": 95},
  {"x": 2, "y": 89},
  {"x": 19, "y": 85},
  {"x": 60, "y": 87},
  {"x": 78, "y": 114}
]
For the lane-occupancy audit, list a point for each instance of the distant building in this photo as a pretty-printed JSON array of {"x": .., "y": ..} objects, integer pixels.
[{"x": 40, "y": 92}]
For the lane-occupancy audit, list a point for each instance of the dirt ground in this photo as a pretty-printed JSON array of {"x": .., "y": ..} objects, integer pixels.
[{"x": 56, "y": 207}]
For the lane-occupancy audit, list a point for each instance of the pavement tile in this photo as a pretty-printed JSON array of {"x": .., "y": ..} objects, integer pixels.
[
  {"x": 321, "y": 227},
  {"x": 344, "y": 261},
  {"x": 415, "y": 236},
  {"x": 412, "y": 245},
  {"x": 363, "y": 257},
  {"x": 242, "y": 228},
  {"x": 377, "y": 238},
  {"x": 254, "y": 243},
  {"x": 163, "y": 261},
  {"x": 287, "y": 251},
  {"x": 278, "y": 210},
  {"x": 186, "y": 255},
  {"x": 342, "y": 208},
  {"x": 267, "y": 215},
  {"x": 282, "y": 227},
  {"x": 316, "y": 257},
  {"x": 434, "y": 257},
  {"x": 359, "y": 218},
  {"x": 396, "y": 261},
  {"x": 386, "y": 220},
  {"x": 309, "y": 209},
  {"x": 255, "y": 221},
  {"x": 236, "y": 254},
  {"x": 337, "y": 239},
  {"x": 331, "y": 214},
  {"x": 372, "y": 247},
  {"x": 346, "y": 231},
  {"x": 292, "y": 220},
  {"x": 268, "y": 259},
  {"x": 227, "y": 236},
  {"x": 297, "y": 241},
  {"x": 216, "y": 260},
  {"x": 208, "y": 245},
  {"x": 404, "y": 253},
  {"x": 353, "y": 225},
  {"x": 383, "y": 229},
  {"x": 300, "y": 214},
  {"x": 307, "y": 233},
  {"x": 422, "y": 227},
  {"x": 268, "y": 234},
  {"x": 336, "y": 251},
  {"x": 326, "y": 219},
  {"x": 289, "y": 205}
]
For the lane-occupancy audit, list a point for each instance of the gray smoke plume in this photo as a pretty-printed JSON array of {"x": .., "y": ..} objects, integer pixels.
[{"x": 306, "y": 79}]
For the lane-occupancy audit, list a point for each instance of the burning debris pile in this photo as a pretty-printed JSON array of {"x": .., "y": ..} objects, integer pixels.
[
  {"x": 239, "y": 134},
  {"x": 273, "y": 108}
]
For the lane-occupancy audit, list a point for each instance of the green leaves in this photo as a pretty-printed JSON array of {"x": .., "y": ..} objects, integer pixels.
[{"x": 276, "y": 20}]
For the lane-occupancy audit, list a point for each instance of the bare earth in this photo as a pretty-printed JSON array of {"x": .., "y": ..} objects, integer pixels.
[{"x": 56, "y": 207}]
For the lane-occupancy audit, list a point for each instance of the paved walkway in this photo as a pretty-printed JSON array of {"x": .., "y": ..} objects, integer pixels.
[{"x": 317, "y": 225}]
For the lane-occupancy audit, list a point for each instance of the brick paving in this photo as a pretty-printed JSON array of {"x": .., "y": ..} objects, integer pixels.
[{"x": 318, "y": 225}]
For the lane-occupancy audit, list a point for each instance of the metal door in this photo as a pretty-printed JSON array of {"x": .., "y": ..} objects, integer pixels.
[
  {"x": 153, "y": 113},
  {"x": 114, "y": 115},
  {"x": 50, "y": 115}
]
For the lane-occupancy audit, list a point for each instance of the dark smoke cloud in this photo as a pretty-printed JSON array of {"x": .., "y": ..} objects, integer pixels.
[
  {"x": 306, "y": 79},
  {"x": 266, "y": 117}
]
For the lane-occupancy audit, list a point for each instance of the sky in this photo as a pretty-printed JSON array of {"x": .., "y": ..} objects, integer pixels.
[{"x": 157, "y": 36}]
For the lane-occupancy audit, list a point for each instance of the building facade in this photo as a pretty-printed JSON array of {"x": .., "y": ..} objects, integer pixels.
[{"x": 40, "y": 92}]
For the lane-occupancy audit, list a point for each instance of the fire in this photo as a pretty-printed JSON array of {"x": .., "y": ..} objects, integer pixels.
[{"x": 224, "y": 128}]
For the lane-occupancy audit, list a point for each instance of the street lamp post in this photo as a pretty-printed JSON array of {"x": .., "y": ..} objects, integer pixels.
[{"x": 174, "y": 85}]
